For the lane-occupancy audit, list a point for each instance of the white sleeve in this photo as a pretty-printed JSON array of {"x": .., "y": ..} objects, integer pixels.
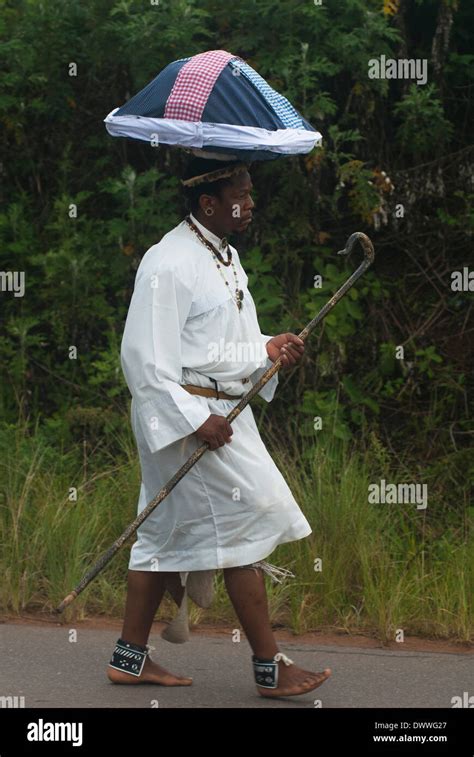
[
  {"x": 267, "y": 391},
  {"x": 151, "y": 358}
]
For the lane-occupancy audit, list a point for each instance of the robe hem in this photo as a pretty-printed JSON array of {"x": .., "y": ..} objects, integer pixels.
[{"x": 225, "y": 557}]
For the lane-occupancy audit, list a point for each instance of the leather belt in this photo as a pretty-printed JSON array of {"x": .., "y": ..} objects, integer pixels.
[{"x": 204, "y": 391}]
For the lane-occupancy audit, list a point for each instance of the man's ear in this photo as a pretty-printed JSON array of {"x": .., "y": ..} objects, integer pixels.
[{"x": 204, "y": 201}]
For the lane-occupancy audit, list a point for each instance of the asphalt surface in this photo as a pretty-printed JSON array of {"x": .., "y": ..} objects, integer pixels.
[{"x": 43, "y": 666}]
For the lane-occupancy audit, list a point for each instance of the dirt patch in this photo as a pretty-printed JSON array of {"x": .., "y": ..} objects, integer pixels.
[{"x": 411, "y": 643}]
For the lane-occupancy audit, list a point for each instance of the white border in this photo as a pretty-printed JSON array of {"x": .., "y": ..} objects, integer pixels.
[{"x": 171, "y": 131}]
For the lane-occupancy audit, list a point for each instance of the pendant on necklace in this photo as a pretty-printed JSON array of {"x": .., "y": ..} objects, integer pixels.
[{"x": 218, "y": 257}]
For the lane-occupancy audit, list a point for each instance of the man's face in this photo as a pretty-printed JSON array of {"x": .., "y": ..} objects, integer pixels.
[{"x": 233, "y": 209}]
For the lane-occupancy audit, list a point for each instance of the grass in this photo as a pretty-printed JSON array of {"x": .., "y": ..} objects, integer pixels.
[{"x": 382, "y": 567}]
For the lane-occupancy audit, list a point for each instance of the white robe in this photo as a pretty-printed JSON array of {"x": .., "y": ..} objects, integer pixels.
[{"x": 234, "y": 506}]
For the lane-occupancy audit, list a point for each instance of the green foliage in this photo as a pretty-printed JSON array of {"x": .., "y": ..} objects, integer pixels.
[
  {"x": 266, "y": 294},
  {"x": 383, "y": 567},
  {"x": 426, "y": 357},
  {"x": 422, "y": 121},
  {"x": 126, "y": 194},
  {"x": 79, "y": 210}
]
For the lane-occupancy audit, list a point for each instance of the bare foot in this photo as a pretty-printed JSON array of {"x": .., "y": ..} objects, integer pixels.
[
  {"x": 151, "y": 673},
  {"x": 293, "y": 680}
]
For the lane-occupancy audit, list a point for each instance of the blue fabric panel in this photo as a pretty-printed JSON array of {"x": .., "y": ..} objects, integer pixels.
[
  {"x": 280, "y": 105},
  {"x": 234, "y": 100},
  {"x": 151, "y": 100}
]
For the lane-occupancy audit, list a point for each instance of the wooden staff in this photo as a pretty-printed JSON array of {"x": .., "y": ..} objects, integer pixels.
[{"x": 368, "y": 248}]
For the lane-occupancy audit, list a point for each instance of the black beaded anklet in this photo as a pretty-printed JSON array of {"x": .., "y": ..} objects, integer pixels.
[
  {"x": 128, "y": 657},
  {"x": 266, "y": 671}
]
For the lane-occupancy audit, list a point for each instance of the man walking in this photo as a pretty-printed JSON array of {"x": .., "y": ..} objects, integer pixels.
[{"x": 191, "y": 348}]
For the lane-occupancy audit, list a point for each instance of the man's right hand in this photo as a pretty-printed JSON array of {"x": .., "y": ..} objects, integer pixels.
[{"x": 216, "y": 431}]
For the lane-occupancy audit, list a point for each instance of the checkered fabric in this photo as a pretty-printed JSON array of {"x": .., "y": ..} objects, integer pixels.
[
  {"x": 284, "y": 110},
  {"x": 194, "y": 84}
]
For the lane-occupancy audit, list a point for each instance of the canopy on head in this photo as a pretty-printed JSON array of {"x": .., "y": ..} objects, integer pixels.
[{"x": 216, "y": 105}]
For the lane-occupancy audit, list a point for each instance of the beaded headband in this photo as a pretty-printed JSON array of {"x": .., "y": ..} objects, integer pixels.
[{"x": 220, "y": 173}]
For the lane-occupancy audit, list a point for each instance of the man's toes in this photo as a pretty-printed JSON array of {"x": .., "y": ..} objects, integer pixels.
[
  {"x": 321, "y": 677},
  {"x": 326, "y": 673},
  {"x": 184, "y": 681},
  {"x": 311, "y": 682}
]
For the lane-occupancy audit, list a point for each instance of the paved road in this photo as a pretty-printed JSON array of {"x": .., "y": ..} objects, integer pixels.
[{"x": 42, "y": 665}]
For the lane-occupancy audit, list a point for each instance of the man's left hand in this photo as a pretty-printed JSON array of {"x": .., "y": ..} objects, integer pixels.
[{"x": 287, "y": 346}]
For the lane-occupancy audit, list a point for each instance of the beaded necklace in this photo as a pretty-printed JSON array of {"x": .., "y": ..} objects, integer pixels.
[{"x": 239, "y": 295}]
